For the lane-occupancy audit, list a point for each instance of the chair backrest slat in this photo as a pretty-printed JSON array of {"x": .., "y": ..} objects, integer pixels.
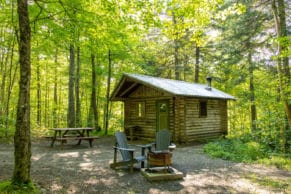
[
  {"x": 163, "y": 140},
  {"x": 122, "y": 143}
]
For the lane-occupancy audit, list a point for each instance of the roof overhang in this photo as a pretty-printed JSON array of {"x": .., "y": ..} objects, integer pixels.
[{"x": 130, "y": 82}]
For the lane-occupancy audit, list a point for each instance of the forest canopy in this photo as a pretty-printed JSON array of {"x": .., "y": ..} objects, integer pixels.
[{"x": 80, "y": 48}]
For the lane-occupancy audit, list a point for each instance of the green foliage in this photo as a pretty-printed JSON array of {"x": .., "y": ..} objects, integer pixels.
[
  {"x": 7, "y": 187},
  {"x": 246, "y": 149},
  {"x": 282, "y": 162},
  {"x": 236, "y": 150},
  {"x": 38, "y": 132},
  {"x": 266, "y": 181},
  {"x": 142, "y": 36}
]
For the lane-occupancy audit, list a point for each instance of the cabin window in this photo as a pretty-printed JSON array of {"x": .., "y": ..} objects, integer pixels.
[
  {"x": 203, "y": 109},
  {"x": 140, "y": 109}
]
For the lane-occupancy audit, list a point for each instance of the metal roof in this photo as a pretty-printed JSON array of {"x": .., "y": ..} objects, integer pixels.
[{"x": 174, "y": 87}]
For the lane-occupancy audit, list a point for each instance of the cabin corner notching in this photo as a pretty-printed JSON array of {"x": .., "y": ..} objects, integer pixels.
[{"x": 190, "y": 111}]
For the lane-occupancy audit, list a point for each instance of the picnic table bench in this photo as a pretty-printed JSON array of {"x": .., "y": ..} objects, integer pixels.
[{"x": 64, "y": 134}]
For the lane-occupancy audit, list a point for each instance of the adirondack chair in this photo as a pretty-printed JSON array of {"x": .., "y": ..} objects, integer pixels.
[
  {"x": 127, "y": 153},
  {"x": 162, "y": 154},
  {"x": 163, "y": 141}
]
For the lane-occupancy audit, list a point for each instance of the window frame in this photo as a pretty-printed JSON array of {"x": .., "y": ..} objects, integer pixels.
[
  {"x": 203, "y": 110},
  {"x": 140, "y": 109}
]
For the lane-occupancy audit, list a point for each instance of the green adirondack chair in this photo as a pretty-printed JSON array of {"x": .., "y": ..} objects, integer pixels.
[{"x": 127, "y": 153}]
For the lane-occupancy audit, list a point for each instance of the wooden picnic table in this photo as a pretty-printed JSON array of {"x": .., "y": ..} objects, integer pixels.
[{"x": 64, "y": 134}]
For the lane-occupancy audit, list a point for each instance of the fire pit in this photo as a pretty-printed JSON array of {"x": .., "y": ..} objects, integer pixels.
[{"x": 159, "y": 158}]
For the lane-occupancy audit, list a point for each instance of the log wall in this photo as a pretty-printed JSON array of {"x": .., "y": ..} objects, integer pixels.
[
  {"x": 185, "y": 123},
  {"x": 201, "y": 128},
  {"x": 147, "y": 124}
]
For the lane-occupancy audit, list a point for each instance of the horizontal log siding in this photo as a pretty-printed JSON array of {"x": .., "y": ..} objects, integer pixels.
[
  {"x": 172, "y": 120},
  {"x": 185, "y": 124},
  {"x": 201, "y": 128},
  {"x": 148, "y": 123},
  {"x": 179, "y": 117},
  {"x": 224, "y": 117}
]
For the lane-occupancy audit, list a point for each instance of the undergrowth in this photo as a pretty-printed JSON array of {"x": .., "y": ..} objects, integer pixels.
[
  {"x": 270, "y": 182},
  {"x": 6, "y": 187},
  {"x": 247, "y": 151}
]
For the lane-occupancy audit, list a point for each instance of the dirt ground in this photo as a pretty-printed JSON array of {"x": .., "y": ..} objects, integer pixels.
[{"x": 81, "y": 169}]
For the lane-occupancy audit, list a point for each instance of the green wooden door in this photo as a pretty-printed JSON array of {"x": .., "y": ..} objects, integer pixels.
[{"x": 162, "y": 115}]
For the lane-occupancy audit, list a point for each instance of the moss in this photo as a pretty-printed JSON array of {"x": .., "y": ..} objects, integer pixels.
[{"x": 7, "y": 187}]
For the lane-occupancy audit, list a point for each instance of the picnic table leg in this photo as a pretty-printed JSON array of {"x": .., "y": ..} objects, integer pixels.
[
  {"x": 63, "y": 141},
  {"x": 143, "y": 154},
  {"x": 81, "y": 135},
  {"x": 90, "y": 143},
  {"x": 54, "y": 139}
]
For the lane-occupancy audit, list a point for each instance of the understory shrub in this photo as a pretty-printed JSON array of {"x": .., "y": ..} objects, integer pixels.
[
  {"x": 236, "y": 150},
  {"x": 282, "y": 162},
  {"x": 10, "y": 188}
]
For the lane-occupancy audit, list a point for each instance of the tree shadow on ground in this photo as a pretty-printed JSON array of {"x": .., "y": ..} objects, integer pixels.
[{"x": 80, "y": 169}]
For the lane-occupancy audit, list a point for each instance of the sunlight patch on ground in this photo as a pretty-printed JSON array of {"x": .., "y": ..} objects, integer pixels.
[
  {"x": 211, "y": 181},
  {"x": 37, "y": 157},
  {"x": 92, "y": 152},
  {"x": 243, "y": 184},
  {"x": 71, "y": 154},
  {"x": 72, "y": 189},
  {"x": 218, "y": 181},
  {"x": 95, "y": 181},
  {"x": 92, "y": 180},
  {"x": 86, "y": 166},
  {"x": 101, "y": 181},
  {"x": 154, "y": 190},
  {"x": 87, "y": 158},
  {"x": 55, "y": 187}
]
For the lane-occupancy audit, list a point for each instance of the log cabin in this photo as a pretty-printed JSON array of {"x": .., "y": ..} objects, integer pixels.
[{"x": 192, "y": 112}]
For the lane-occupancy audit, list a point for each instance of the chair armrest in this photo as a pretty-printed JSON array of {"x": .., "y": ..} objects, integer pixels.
[
  {"x": 125, "y": 149},
  {"x": 160, "y": 151},
  {"x": 146, "y": 145},
  {"x": 172, "y": 146}
]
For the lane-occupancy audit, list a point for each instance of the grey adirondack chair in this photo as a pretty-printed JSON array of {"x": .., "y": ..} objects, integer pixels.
[
  {"x": 127, "y": 153},
  {"x": 163, "y": 141},
  {"x": 161, "y": 155}
]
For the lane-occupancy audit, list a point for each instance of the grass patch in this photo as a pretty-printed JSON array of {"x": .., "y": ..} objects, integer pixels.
[
  {"x": 269, "y": 182},
  {"x": 278, "y": 161},
  {"x": 6, "y": 187}
]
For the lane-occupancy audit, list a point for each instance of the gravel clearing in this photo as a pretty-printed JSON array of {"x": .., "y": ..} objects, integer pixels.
[{"x": 81, "y": 169}]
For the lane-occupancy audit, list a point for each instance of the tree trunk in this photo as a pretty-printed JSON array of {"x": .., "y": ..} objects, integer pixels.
[
  {"x": 93, "y": 114},
  {"x": 55, "y": 105},
  {"x": 3, "y": 96},
  {"x": 278, "y": 8},
  {"x": 12, "y": 73},
  {"x": 106, "y": 112},
  {"x": 3, "y": 75},
  {"x": 197, "y": 65},
  {"x": 8, "y": 70},
  {"x": 77, "y": 88},
  {"x": 71, "y": 101},
  {"x": 46, "y": 119},
  {"x": 252, "y": 93},
  {"x": 38, "y": 113},
  {"x": 176, "y": 49},
  {"x": 22, "y": 142}
]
